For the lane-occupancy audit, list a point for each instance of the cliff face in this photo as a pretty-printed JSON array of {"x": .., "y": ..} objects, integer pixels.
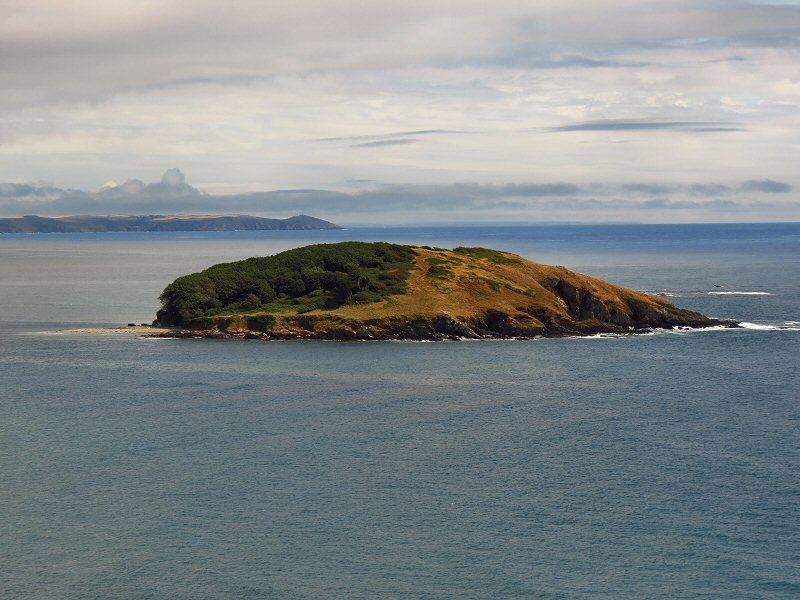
[{"x": 465, "y": 293}]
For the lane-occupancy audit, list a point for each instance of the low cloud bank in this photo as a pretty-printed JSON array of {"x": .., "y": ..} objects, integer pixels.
[{"x": 763, "y": 199}]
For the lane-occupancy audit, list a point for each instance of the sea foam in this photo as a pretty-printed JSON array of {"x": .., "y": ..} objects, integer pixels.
[
  {"x": 739, "y": 294},
  {"x": 790, "y": 326}
]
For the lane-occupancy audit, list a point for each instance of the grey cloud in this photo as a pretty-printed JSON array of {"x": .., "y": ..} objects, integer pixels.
[
  {"x": 708, "y": 189},
  {"x": 378, "y": 143},
  {"x": 790, "y": 41},
  {"x": 727, "y": 59},
  {"x": 396, "y": 134},
  {"x": 78, "y": 53},
  {"x": 616, "y": 205},
  {"x": 28, "y": 190},
  {"x": 537, "y": 189},
  {"x": 189, "y": 82},
  {"x": 458, "y": 195},
  {"x": 660, "y": 203},
  {"x": 420, "y": 200},
  {"x": 588, "y": 62},
  {"x": 397, "y": 138},
  {"x": 538, "y": 58},
  {"x": 766, "y": 185},
  {"x": 645, "y": 125},
  {"x": 174, "y": 195},
  {"x": 715, "y": 129},
  {"x": 648, "y": 189}
]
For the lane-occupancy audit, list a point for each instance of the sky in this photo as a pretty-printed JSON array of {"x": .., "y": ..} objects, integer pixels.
[{"x": 454, "y": 111}]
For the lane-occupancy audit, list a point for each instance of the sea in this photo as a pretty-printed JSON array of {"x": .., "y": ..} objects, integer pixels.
[{"x": 649, "y": 466}]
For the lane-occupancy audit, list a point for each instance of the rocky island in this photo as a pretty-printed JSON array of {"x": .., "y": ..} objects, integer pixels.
[{"x": 380, "y": 291}]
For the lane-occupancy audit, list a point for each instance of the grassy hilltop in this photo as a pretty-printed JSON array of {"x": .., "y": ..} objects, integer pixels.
[{"x": 360, "y": 290}]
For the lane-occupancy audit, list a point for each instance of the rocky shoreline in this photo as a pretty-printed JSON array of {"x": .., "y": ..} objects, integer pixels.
[{"x": 493, "y": 325}]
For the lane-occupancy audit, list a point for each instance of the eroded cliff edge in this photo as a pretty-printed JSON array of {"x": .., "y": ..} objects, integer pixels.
[{"x": 358, "y": 290}]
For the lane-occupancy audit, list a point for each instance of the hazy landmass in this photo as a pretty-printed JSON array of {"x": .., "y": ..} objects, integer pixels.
[
  {"x": 90, "y": 223},
  {"x": 359, "y": 290}
]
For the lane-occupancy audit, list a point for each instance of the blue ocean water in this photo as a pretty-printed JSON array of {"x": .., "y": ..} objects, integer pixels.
[{"x": 660, "y": 466}]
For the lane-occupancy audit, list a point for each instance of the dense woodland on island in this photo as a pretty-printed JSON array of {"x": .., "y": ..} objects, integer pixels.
[{"x": 302, "y": 279}]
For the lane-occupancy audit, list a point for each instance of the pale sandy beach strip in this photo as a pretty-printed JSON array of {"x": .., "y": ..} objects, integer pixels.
[{"x": 138, "y": 330}]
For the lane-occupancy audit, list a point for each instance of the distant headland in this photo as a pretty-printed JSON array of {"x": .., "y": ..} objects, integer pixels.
[
  {"x": 92, "y": 223},
  {"x": 359, "y": 290}
]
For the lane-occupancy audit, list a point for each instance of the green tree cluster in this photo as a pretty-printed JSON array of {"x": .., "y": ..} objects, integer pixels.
[{"x": 303, "y": 279}]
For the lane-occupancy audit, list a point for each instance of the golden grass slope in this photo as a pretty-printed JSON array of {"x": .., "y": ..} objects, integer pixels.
[{"x": 481, "y": 293}]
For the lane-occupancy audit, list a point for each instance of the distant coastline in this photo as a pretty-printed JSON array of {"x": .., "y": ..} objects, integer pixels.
[{"x": 94, "y": 223}]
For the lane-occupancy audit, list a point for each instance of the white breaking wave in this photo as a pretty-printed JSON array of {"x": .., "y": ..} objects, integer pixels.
[
  {"x": 683, "y": 330},
  {"x": 608, "y": 336},
  {"x": 739, "y": 294},
  {"x": 762, "y": 327}
]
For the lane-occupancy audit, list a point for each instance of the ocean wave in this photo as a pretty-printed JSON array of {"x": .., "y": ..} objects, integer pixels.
[
  {"x": 701, "y": 293},
  {"x": 739, "y": 294},
  {"x": 682, "y": 330},
  {"x": 765, "y": 327},
  {"x": 609, "y": 336}
]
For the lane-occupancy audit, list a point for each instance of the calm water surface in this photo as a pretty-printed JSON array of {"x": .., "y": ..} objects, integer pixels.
[{"x": 661, "y": 466}]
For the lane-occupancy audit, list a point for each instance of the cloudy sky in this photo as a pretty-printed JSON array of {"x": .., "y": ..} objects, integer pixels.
[{"x": 389, "y": 112}]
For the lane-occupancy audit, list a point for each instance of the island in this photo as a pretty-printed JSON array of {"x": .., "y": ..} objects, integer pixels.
[
  {"x": 385, "y": 291},
  {"x": 93, "y": 223}
]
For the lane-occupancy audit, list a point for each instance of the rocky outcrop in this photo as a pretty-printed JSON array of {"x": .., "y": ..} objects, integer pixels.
[{"x": 583, "y": 305}]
